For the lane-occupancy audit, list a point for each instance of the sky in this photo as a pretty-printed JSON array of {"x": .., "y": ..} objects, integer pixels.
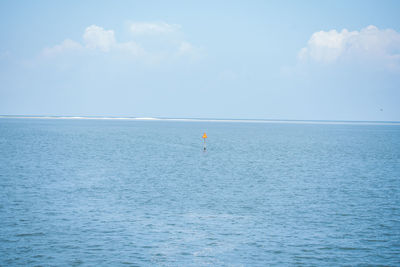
[{"x": 301, "y": 60}]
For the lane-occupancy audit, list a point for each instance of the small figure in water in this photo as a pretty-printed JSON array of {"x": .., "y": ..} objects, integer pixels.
[{"x": 204, "y": 138}]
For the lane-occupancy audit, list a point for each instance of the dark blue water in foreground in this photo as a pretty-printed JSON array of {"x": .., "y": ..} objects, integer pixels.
[{"x": 96, "y": 192}]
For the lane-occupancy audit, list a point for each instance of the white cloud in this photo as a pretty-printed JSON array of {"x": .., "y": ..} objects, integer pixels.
[
  {"x": 188, "y": 50},
  {"x": 185, "y": 47},
  {"x": 131, "y": 48},
  {"x": 96, "y": 37},
  {"x": 66, "y": 45},
  {"x": 369, "y": 43},
  {"x": 153, "y": 28}
]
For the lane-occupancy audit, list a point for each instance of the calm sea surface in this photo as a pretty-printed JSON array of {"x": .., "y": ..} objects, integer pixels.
[{"x": 143, "y": 193}]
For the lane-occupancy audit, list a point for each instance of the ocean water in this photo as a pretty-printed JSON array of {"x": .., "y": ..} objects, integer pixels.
[{"x": 143, "y": 193}]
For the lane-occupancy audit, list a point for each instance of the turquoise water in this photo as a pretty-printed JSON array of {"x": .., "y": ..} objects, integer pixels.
[{"x": 143, "y": 193}]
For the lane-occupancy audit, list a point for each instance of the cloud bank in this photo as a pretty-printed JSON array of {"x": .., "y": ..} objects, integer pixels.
[
  {"x": 96, "y": 38},
  {"x": 368, "y": 44},
  {"x": 66, "y": 45}
]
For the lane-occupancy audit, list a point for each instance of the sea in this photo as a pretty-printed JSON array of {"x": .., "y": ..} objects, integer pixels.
[{"x": 144, "y": 192}]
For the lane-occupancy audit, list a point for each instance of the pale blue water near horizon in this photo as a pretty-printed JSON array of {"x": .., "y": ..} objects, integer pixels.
[{"x": 143, "y": 193}]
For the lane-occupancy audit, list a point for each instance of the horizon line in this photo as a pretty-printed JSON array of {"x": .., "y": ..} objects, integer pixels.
[{"x": 131, "y": 118}]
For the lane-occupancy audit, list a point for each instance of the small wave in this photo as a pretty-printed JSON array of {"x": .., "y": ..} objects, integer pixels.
[{"x": 30, "y": 234}]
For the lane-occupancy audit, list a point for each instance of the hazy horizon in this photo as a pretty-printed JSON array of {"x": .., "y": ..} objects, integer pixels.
[{"x": 199, "y": 119}]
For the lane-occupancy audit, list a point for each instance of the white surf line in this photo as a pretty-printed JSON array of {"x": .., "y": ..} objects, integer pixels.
[
  {"x": 202, "y": 120},
  {"x": 287, "y": 121}
]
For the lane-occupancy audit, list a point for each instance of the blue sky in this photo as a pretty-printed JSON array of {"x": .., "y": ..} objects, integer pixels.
[{"x": 336, "y": 60}]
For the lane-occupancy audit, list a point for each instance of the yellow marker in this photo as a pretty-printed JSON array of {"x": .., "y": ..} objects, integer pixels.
[{"x": 204, "y": 138}]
